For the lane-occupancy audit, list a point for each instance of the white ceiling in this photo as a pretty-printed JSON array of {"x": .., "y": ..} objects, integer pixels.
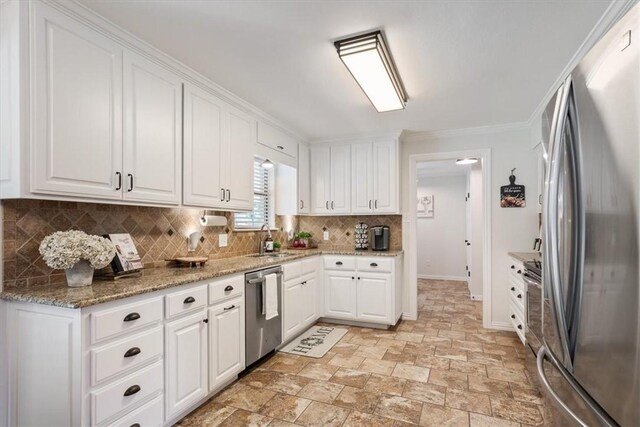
[{"x": 464, "y": 63}]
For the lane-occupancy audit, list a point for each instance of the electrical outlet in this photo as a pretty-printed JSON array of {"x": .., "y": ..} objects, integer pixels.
[
  {"x": 325, "y": 235},
  {"x": 222, "y": 240}
]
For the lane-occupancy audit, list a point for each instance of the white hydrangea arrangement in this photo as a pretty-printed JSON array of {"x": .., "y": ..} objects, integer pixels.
[{"x": 63, "y": 249}]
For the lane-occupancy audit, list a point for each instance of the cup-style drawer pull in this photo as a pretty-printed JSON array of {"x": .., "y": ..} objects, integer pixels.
[
  {"x": 228, "y": 288},
  {"x": 131, "y": 317},
  {"x": 339, "y": 263},
  {"x": 519, "y": 326},
  {"x": 519, "y": 271},
  {"x": 513, "y": 267},
  {"x": 133, "y": 351},
  {"x": 229, "y": 308},
  {"x": 132, "y": 390},
  {"x": 519, "y": 295},
  {"x": 513, "y": 316},
  {"x": 373, "y": 264},
  {"x": 189, "y": 300},
  {"x": 135, "y": 425},
  {"x": 280, "y": 147},
  {"x": 513, "y": 289}
]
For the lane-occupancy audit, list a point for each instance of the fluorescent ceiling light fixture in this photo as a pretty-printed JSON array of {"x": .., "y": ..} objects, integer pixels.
[
  {"x": 369, "y": 61},
  {"x": 267, "y": 164},
  {"x": 466, "y": 161}
]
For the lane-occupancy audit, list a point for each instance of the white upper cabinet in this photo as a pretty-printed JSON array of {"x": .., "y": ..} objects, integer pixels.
[
  {"x": 237, "y": 159},
  {"x": 320, "y": 177},
  {"x": 385, "y": 177},
  {"x": 77, "y": 109},
  {"x": 274, "y": 138},
  {"x": 340, "y": 179},
  {"x": 304, "y": 192},
  {"x": 153, "y": 132},
  {"x": 361, "y": 178},
  {"x": 203, "y": 139}
]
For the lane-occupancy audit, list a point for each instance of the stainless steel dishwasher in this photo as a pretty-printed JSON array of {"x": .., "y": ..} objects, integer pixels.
[{"x": 261, "y": 335}]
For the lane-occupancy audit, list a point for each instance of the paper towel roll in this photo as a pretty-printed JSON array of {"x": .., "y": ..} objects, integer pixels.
[{"x": 213, "y": 220}]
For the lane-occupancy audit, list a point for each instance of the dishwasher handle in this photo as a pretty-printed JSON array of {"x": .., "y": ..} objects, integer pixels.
[{"x": 263, "y": 290}]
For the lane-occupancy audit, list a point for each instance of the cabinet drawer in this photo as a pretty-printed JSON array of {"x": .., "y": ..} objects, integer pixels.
[
  {"x": 223, "y": 289},
  {"x": 310, "y": 266},
  {"x": 149, "y": 414},
  {"x": 340, "y": 263},
  {"x": 126, "y": 393},
  {"x": 517, "y": 285},
  {"x": 292, "y": 270},
  {"x": 119, "y": 320},
  {"x": 186, "y": 300},
  {"x": 517, "y": 298},
  {"x": 375, "y": 264},
  {"x": 112, "y": 359}
]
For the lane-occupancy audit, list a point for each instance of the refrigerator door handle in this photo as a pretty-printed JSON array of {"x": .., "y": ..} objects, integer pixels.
[
  {"x": 551, "y": 211},
  {"x": 604, "y": 419}
]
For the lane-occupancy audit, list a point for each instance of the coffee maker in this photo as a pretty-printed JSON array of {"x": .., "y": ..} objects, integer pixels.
[{"x": 380, "y": 238}]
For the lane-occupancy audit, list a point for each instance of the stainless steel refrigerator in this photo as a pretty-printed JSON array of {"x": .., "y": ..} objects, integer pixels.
[{"x": 589, "y": 364}]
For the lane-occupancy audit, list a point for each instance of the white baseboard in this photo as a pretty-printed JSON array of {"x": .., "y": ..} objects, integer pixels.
[
  {"x": 502, "y": 326},
  {"x": 438, "y": 277},
  {"x": 407, "y": 316}
]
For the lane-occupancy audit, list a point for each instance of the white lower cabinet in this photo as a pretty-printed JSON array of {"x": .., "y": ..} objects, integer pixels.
[
  {"x": 226, "y": 342},
  {"x": 186, "y": 360},
  {"x": 374, "y": 296},
  {"x": 292, "y": 311},
  {"x": 340, "y": 294},
  {"x": 301, "y": 296},
  {"x": 310, "y": 297}
]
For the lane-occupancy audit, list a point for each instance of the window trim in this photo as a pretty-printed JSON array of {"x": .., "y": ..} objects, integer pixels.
[{"x": 271, "y": 196}]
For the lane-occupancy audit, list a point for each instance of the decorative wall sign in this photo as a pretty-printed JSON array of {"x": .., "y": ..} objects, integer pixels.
[
  {"x": 512, "y": 195},
  {"x": 425, "y": 206}
]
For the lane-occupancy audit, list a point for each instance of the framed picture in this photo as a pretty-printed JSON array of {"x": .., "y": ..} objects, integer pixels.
[
  {"x": 425, "y": 206},
  {"x": 127, "y": 259}
]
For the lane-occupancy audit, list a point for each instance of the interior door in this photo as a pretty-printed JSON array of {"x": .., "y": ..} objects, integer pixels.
[
  {"x": 226, "y": 342},
  {"x": 203, "y": 138},
  {"x": 340, "y": 294},
  {"x": 362, "y": 178},
  {"x": 153, "y": 132},
  {"x": 186, "y": 362},
  {"x": 385, "y": 177},
  {"x": 340, "y": 179},
  {"x": 77, "y": 108},
  {"x": 467, "y": 242},
  {"x": 304, "y": 199},
  {"x": 320, "y": 174},
  {"x": 238, "y": 151}
]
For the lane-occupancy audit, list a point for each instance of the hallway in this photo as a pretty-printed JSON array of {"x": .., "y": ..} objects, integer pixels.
[{"x": 444, "y": 369}]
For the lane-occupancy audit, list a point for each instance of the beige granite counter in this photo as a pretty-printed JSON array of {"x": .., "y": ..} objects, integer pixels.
[
  {"x": 526, "y": 256},
  {"x": 60, "y": 295}
]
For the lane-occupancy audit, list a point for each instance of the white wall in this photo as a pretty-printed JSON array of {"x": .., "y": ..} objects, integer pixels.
[
  {"x": 441, "y": 247},
  {"x": 512, "y": 229}
]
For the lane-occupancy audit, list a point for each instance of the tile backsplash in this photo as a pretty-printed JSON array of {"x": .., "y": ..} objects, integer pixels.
[{"x": 159, "y": 233}]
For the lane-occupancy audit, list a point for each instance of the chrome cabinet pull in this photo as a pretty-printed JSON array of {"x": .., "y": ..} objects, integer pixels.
[
  {"x": 369, "y": 204},
  {"x": 376, "y": 204},
  {"x": 326, "y": 204},
  {"x": 119, "y": 175},
  {"x": 332, "y": 205}
]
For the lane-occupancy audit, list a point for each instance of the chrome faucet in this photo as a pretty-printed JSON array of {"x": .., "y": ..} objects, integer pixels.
[{"x": 261, "y": 242}]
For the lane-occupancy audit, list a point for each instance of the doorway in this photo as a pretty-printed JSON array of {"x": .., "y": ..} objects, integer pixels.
[{"x": 448, "y": 233}]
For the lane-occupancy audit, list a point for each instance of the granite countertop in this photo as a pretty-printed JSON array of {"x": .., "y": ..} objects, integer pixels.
[
  {"x": 155, "y": 279},
  {"x": 526, "y": 256}
]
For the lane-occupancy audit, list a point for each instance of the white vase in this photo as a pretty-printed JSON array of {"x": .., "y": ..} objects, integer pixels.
[{"x": 81, "y": 274}]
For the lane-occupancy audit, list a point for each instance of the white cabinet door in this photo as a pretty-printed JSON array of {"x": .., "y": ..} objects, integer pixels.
[
  {"x": 293, "y": 308},
  {"x": 203, "y": 139},
  {"x": 340, "y": 294},
  {"x": 237, "y": 159},
  {"x": 226, "y": 342},
  {"x": 374, "y": 296},
  {"x": 77, "y": 108},
  {"x": 320, "y": 177},
  {"x": 153, "y": 132},
  {"x": 304, "y": 199},
  {"x": 186, "y": 362},
  {"x": 361, "y": 178},
  {"x": 385, "y": 178},
  {"x": 340, "y": 179},
  {"x": 309, "y": 300}
]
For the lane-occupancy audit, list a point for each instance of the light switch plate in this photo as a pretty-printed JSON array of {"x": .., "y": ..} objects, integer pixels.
[
  {"x": 325, "y": 235},
  {"x": 222, "y": 240}
]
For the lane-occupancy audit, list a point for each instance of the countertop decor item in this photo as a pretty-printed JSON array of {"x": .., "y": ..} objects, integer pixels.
[
  {"x": 127, "y": 259},
  {"x": 301, "y": 240},
  {"x": 77, "y": 253},
  {"x": 362, "y": 236}
]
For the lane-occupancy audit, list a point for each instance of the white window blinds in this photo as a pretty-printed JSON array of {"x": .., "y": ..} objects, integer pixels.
[{"x": 262, "y": 200}]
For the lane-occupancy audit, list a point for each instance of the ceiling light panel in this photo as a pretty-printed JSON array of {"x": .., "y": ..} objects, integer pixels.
[{"x": 368, "y": 60}]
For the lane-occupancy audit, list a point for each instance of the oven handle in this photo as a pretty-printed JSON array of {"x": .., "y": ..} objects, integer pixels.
[{"x": 531, "y": 281}]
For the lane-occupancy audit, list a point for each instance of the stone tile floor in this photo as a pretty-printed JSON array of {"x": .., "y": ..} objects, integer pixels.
[{"x": 444, "y": 369}]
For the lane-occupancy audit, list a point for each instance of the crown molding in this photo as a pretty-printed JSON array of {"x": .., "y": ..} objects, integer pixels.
[
  {"x": 417, "y": 136},
  {"x": 616, "y": 10},
  {"x": 361, "y": 137}
]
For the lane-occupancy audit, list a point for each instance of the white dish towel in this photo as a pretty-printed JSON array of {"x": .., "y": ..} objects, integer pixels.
[{"x": 271, "y": 296}]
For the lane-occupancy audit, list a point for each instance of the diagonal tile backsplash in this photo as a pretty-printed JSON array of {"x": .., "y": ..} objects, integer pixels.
[{"x": 159, "y": 233}]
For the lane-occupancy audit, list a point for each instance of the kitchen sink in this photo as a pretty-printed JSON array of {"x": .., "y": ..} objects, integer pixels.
[{"x": 271, "y": 255}]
